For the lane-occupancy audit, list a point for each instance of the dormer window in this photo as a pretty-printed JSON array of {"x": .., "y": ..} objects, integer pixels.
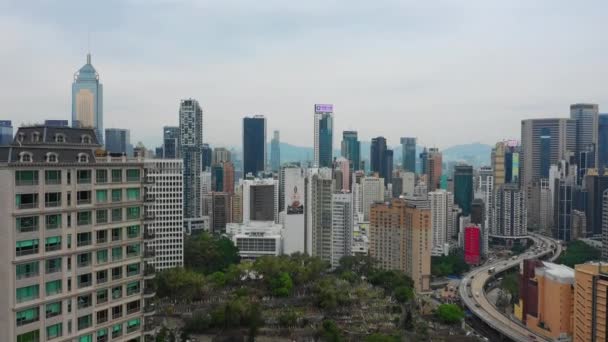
[
  {"x": 36, "y": 137},
  {"x": 20, "y": 137},
  {"x": 52, "y": 157},
  {"x": 85, "y": 139},
  {"x": 83, "y": 158},
  {"x": 59, "y": 138},
  {"x": 25, "y": 157}
]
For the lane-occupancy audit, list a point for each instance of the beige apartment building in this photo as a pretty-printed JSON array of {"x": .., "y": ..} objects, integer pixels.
[
  {"x": 590, "y": 303},
  {"x": 74, "y": 262}
]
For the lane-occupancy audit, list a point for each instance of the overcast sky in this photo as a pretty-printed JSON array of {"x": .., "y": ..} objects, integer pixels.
[{"x": 448, "y": 72}]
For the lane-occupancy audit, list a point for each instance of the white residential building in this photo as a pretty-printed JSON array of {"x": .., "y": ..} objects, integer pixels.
[
  {"x": 372, "y": 191},
  {"x": 341, "y": 227},
  {"x": 442, "y": 203},
  {"x": 294, "y": 192},
  {"x": 408, "y": 180},
  {"x": 260, "y": 199}
]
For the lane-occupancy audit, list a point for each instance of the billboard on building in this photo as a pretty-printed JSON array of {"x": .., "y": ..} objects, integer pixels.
[
  {"x": 324, "y": 108},
  {"x": 294, "y": 191}
]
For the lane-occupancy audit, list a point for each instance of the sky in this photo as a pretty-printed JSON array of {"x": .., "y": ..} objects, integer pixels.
[{"x": 448, "y": 72}]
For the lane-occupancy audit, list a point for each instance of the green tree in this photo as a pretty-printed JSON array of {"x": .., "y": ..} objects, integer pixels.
[
  {"x": 206, "y": 253},
  {"x": 281, "y": 285},
  {"x": 404, "y": 294},
  {"x": 330, "y": 332},
  {"x": 450, "y": 313},
  {"x": 578, "y": 252},
  {"x": 445, "y": 265},
  {"x": 510, "y": 283},
  {"x": 362, "y": 265},
  {"x": 180, "y": 284},
  {"x": 382, "y": 338}
]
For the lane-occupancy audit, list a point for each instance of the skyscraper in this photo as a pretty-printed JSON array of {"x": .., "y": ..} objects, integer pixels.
[
  {"x": 87, "y": 99},
  {"x": 324, "y": 133},
  {"x": 351, "y": 149},
  {"x": 171, "y": 142},
  {"x": 408, "y": 154},
  {"x": 442, "y": 204},
  {"x": 342, "y": 164},
  {"x": 320, "y": 211},
  {"x": 590, "y": 302},
  {"x": 342, "y": 221},
  {"x": 586, "y": 116},
  {"x": 6, "y": 132},
  {"x": 595, "y": 185},
  {"x": 118, "y": 140},
  {"x": 260, "y": 200},
  {"x": 381, "y": 159},
  {"x": 191, "y": 142},
  {"x": 602, "y": 142},
  {"x": 434, "y": 168},
  {"x": 505, "y": 162},
  {"x": 295, "y": 239},
  {"x": 206, "y": 156},
  {"x": 254, "y": 145},
  {"x": 221, "y": 155},
  {"x": 372, "y": 189},
  {"x": 275, "y": 152},
  {"x": 562, "y": 178},
  {"x": 424, "y": 155},
  {"x": 509, "y": 217},
  {"x": 463, "y": 187}
]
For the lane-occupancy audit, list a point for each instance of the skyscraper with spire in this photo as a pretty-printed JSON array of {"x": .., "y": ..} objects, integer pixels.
[{"x": 87, "y": 99}]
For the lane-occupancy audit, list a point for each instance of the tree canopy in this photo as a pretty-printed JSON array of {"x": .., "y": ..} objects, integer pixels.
[
  {"x": 179, "y": 283},
  {"x": 207, "y": 253},
  {"x": 442, "y": 266},
  {"x": 450, "y": 313},
  {"x": 577, "y": 253}
]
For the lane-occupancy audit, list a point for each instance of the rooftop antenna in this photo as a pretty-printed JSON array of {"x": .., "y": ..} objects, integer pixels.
[{"x": 89, "y": 46}]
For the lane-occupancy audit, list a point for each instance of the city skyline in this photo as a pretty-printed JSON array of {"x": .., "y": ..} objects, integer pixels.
[{"x": 397, "y": 78}]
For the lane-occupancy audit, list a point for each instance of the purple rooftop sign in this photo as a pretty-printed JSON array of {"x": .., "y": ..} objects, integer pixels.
[{"x": 324, "y": 108}]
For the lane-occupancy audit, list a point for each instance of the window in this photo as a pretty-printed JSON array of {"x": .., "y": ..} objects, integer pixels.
[
  {"x": 53, "y": 309},
  {"x": 102, "y": 236},
  {"x": 83, "y": 218},
  {"x": 83, "y": 197},
  {"x": 102, "y": 296},
  {"x": 27, "y": 224},
  {"x": 102, "y": 317},
  {"x": 52, "y": 199},
  {"x": 32, "y": 336},
  {"x": 86, "y": 338},
  {"x": 102, "y": 334},
  {"x": 27, "y": 270},
  {"x": 117, "y": 292},
  {"x": 84, "y": 280},
  {"x": 133, "y": 231},
  {"x": 26, "y": 177},
  {"x": 85, "y": 322},
  {"x": 26, "y": 157},
  {"x": 133, "y": 213},
  {"x": 52, "y": 157},
  {"x": 26, "y": 247},
  {"x": 116, "y": 214},
  {"x": 116, "y": 253},
  {"x": 53, "y": 243},
  {"x": 132, "y": 250},
  {"x": 27, "y": 316},
  {"x": 133, "y": 307},
  {"x": 26, "y": 201},
  {"x": 132, "y": 288},
  {"x": 132, "y": 269},
  {"x": 27, "y": 293},
  {"x": 133, "y": 194},
  {"x": 133, "y": 325},
  {"x": 53, "y": 287},
  {"x": 116, "y": 234},
  {"x": 116, "y": 195},
  {"x": 117, "y": 312},
  {"x": 83, "y": 239},
  {"x": 83, "y": 158},
  {"x": 85, "y": 139},
  {"x": 102, "y": 276},
  {"x": 102, "y": 256},
  {"x": 52, "y": 177},
  {"x": 53, "y": 221},
  {"x": 84, "y": 260},
  {"x": 101, "y": 176},
  {"x": 102, "y": 196},
  {"x": 101, "y": 216},
  {"x": 116, "y": 330},
  {"x": 116, "y": 273},
  {"x": 133, "y": 175},
  {"x": 52, "y": 265},
  {"x": 83, "y": 176},
  {"x": 53, "y": 331},
  {"x": 59, "y": 138},
  {"x": 117, "y": 176},
  {"x": 85, "y": 301}
]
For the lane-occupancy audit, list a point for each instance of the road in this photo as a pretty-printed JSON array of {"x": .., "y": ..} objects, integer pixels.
[{"x": 472, "y": 292}]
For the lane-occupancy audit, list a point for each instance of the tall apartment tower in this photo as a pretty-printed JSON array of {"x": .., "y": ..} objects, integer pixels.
[
  {"x": 562, "y": 182},
  {"x": 587, "y": 124},
  {"x": 254, "y": 145},
  {"x": 206, "y": 157},
  {"x": 351, "y": 149},
  {"x": 87, "y": 100},
  {"x": 260, "y": 200},
  {"x": 221, "y": 155},
  {"x": 320, "y": 212},
  {"x": 408, "y": 154},
  {"x": 324, "y": 135},
  {"x": 509, "y": 216},
  {"x": 74, "y": 258},
  {"x": 486, "y": 194},
  {"x": 293, "y": 179},
  {"x": 424, "y": 155},
  {"x": 433, "y": 168},
  {"x": 164, "y": 202},
  {"x": 372, "y": 189},
  {"x": 191, "y": 140},
  {"x": 342, "y": 221},
  {"x": 505, "y": 162},
  {"x": 463, "y": 187},
  {"x": 118, "y": 140},
  {"x": 275, "y": 152},
  {"x": 590, "y": 302},
  {"x": 343, "y": 165},
  {"x": 401, "y": 239},
  {"x": 171, "y": 143},
  {"x": 442, "y": 205},
  {"x": 595, "y": 186},
  {"x": 381, "y": 159}
]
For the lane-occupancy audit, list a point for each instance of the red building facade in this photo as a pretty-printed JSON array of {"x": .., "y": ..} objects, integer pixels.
[{"x": 472, "y": 255}]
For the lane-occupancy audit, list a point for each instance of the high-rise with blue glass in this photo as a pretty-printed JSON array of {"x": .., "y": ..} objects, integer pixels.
[
  {"x": 408, "y": 154},
  {"x": 87, "y": 99},
  {"x": 191, "y": 143},
  {"x": 6, "y": 132},
  {"x": 351, "y": 149},
  {"x": 324, "y": 134},
  {"x": 254, "y": 145},
  {"x": 602, "y": 142}
]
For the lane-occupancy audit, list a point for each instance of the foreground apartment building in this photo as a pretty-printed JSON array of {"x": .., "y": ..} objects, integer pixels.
[{"x": 72, "y": 243}]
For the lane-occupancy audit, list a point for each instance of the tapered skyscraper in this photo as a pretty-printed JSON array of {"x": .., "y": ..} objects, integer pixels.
[
  {"x": 324, "y": 133},
  {"x": 191, "y": 140},
  {"x": 351, "y": 149},
  {"x": 87, "y": 99},
  {"x": 254, "y": 145}
]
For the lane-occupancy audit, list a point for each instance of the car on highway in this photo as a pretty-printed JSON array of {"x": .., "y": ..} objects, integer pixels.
[{"x": 477, "y": 305}]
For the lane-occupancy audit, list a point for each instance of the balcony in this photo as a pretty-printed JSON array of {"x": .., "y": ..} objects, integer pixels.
[
  {"x": 52, "y": 204},
  {"x": 149, "y": 292},
  {"x": 30, "y": 205},
  {"x": 149, "y": 310},
  {"x": 149, "y": 272},
  {"x": 83, "y": 201}
]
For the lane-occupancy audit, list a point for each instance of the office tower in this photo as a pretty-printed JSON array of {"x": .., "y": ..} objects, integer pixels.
[
  {"x": 442, "y": 203},
  {"x": 372, "y": 189},
  {"x": 254, "y": 145},
  {"x": 505, "y": 162},
  {"x": 586, "y": 116},
  {"x": 260, "y": 199},
  {"x": 237, "y": 206},
  {"x": 562, "y": 181},
  {"x": 378, "y": 154},
  {"x": 590, "y": 302},
  {"x": 275, "y": 152},
  {"x": 342, "y": 221},
  {"x": 408, "y": 154},
  {"x": 388, "y": 167},
  {"x": 191, "y": 142},
  {"x": 217, "y": 178},
  {"x": 602, "y": 142},
  {"x": 171, "y": 142},
  {"x": 164, "y": 201},
  {"x": 221, "y": 155},
  {"x": 397, "y": 184},
  {"x": 596, "y": 185},
  {"x": 351, "y": 149},
  {"x": 6, "y": 132},
  {"x": 57, "y": 123},
  {"x": 485, "y": 192},
  {"x": 118, "y": 141},
  {"x": 221, "y": 212},
  {"x": 320, "y": 212},
  {"x": 423, "y": 161},
  {"x": 605, "y": 225},
  {"x": 342, "y": 164},
  {"x": 206, "y": 157},
  {"x": 324, "y": 134},
  {"x": 463, "y": 187},
  {"x": 73, "y": 240},
  {"x": 401, "y": 239},
  {"x": 228, "y": 177},
  {"x": 434, "y": 168},
  {"x": 294, "y": 192},
  {"x": 510, "y": 216},
  {"x": 206, "y": 189},
  {"x": 472, "y": 247},
  {"x": 546, "y": 207},
  {"x": 409, "y": 183},
  {"x": 87, "y": 100}
]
